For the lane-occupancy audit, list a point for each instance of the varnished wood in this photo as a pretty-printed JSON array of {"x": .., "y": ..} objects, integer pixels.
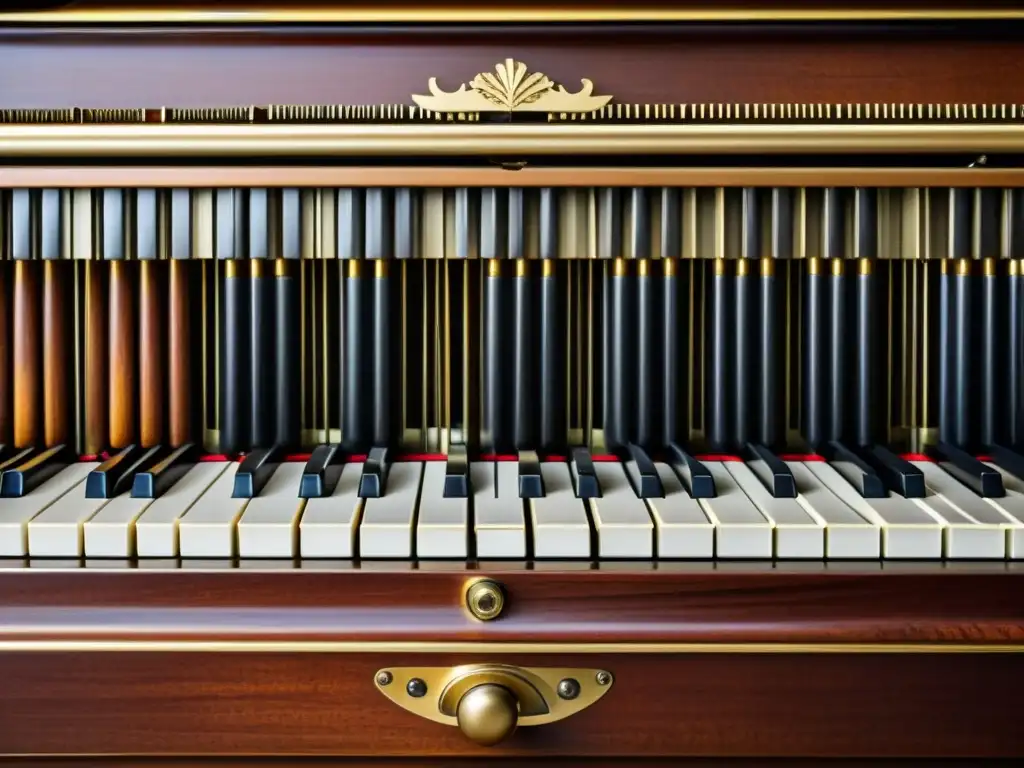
[
  {"x": 57, "y": 354},
  {"x": 95, "y": 379},
  {"x": 540, "y": 176},
  {"x": 121, "y": 339},
  {"x": 180, "y": 353},
  {"x": 151, "y": 352},
  {"x": 28, "y": 410},
  {"x": 6, "y": 385}
]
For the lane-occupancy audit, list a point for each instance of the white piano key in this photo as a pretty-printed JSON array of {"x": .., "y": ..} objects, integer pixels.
[
  {"x": 741, "y": 531},
  {"x": 16, "y": 513},
  {"x": 269, "y": 525},
  {"x": 1012, "y": 505},
  {"x": 57, "y": 531},
  {"x": 156, "y": 529},
  {"x": 798, "y": 535},
  {"x": 208, "y": 528},
  {"x": 111, "y": 531},
  {"x": 623, "y": 522},
  {"x": 975, "y": 530},
  {"x": 561, "y": 528},
  {"x": 442, "y": 529},
  {"x": 908, "y": 531},
  {"x": 387, "y": 526},
  {"x": 329, "y": 525},
  {"x": 825, "y": 493},
  {"x": 682, "y": 528},
  {"x": 500, "y": 523}
]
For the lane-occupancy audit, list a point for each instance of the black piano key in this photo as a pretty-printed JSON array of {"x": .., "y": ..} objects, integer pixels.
[
  {"x": 814, "y": 355},
  {"x": 531, "y": 482},
  {"x": 643, "y": 473},
  {"x": 374, "y": 479},
  {"x": 21, "y": 224},
  {"x": 456, "y": 473},
  {"x": 112, "y": 224},
  {"x": 898, "y": 474},
  {"x": 779, "y": 478},
  {"x": 153, "y": 482},
  {"x": 255, "y": 470},
  {"x": 698, "y": 478},
  {"x": 100, "y": 483},
  {"x": 51, "y": 225},
  {"x": 234, "y": 375},
  {"x": 718, "y": 352},
  {"x": 357, "y": 402},
  {"x": 584, "y": 475},
  {"x": 36, "y": 470},
  {"x": 262, "y": 319},
  {"x": 857, "y": 472},
  {"x": 980, "y": 478},
  {"x": 384, "y": 344},
  {"x": 288, "y": 424},
  {"x": 322, "y": 471},
  {"x": 1009, "y": 460}
]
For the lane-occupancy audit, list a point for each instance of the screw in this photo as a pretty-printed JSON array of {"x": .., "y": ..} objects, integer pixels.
[
  {"x": 416, "y": 688},
  {"x": 603, "y": 678},
  {"x": 568, "y": 689},
  {"x": 384, "y": 678}
]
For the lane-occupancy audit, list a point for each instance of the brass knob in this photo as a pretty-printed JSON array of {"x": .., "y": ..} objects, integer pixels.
[
  {"x": 485, "y": 600},
  {"x": 488, "y": 714}
]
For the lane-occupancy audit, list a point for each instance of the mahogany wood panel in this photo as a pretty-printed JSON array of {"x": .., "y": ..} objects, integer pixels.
[
  {"x": 691, "y": 603},
  {"x": 28, "y": 412},
  {"x": 123, "y": 369},
  {"x": 57, "y": 354},
  {"x": 699, "y": 705},
  {"x": 179, "y": 353},
  {"x": 432, "y": 176},
  {"x": 205, "y": 67}
]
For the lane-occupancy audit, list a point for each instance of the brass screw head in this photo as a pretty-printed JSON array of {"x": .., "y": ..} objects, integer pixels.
[
  {"x": 603, "y": 678},
  {"x": 485, "y": 600},
  {"x": 384, "y": 678}
]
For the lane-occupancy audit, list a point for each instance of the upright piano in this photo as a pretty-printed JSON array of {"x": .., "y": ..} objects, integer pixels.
[{"x": 426, "y": 382}]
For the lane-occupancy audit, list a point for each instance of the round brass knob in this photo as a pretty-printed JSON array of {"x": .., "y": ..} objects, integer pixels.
[
  {"x": 485, "y": 600},
  {"x": 488, "y": 714}
]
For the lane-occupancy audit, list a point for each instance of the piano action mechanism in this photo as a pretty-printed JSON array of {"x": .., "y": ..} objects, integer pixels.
[{"x": 515, "y": 410}]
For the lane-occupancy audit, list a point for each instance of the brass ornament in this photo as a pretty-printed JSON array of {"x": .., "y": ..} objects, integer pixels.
[{"x": 511, "y": 88}]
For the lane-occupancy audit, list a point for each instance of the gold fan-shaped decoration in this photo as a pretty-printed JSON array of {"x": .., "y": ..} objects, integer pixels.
[{"x": 511, "y": 88}]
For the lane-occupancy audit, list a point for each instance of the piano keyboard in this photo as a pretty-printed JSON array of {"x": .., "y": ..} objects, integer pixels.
[{"x": 799, "y": 510}]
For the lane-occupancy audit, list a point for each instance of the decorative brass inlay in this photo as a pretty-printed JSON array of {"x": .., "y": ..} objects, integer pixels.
[
  {"x": 488, "y": 701},
  {"x": 511, "y": 88},
  {"x": 485, "y": 600}
]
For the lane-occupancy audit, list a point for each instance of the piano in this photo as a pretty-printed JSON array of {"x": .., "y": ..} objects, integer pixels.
[{"x": 490, "y": 383}]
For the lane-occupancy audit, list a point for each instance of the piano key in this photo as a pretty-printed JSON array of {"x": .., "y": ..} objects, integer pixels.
[
  {"x": 442, "y": 528},
  {"x": 991, "y": 523},
  {"x": 898, "y": 474},
  {"x": 642, "y": 474},
  {"x": 698, "y": 480},
  {"x": 561, "y": 528},
  {"x": 117, "y": 474},
  {"x": 254, "y": 471},
  {"x": 386, "y": 530},
  {"x": 773, "y": 471},
  {"x": 623, "y": 523},
  {"x": 981, "y": 479},
  {"x": 499, "y": 524},
  {"x": 857, "y": 472},
  {"x": 531, "y": 482},
  {"x": 207, "y": 529},
  {"x": 584, "y": 477},
  {"x": 456, "y": 473},
  {"x": 268, "y": 526},
  {"x": 16, "y": 513},
  {"x": 322, "y": 471},
  {"x": 374, "y": 480},
  {"x": 110, "y": 532},
  {"x": 1012, "y": 505},
  {"x": 154, "y": 481},
  {"x": 681, "y": 527},
  {"x": 798, "y": 535},
  {"x": 1007, "y": 461},
  {"x": 907, "y": 531},
  {"x": 34, "y": 471},
  {"x": 853, "y": 527},
  {"x": 330, "y": 524},
  {"x": 741, "y": 531},
  {"x": 57, "y": 531}
]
